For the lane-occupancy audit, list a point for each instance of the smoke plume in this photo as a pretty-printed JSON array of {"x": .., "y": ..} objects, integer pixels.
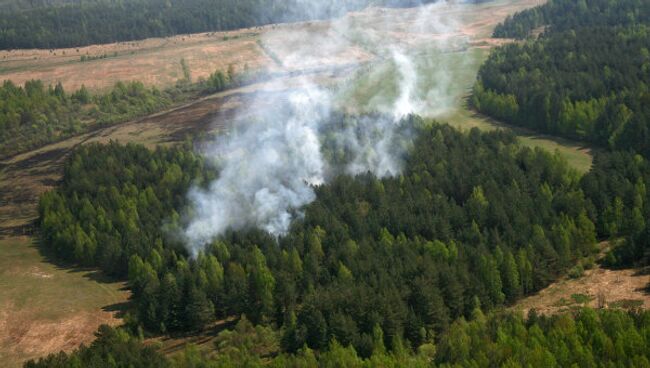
[{"x": 272, "y": 159}]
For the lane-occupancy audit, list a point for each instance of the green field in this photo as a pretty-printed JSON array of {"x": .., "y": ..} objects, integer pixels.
[
  {"x": 445, "y": 81},
  {"x": 579, "y": 156},
  {"x": 30, "y": 285}
]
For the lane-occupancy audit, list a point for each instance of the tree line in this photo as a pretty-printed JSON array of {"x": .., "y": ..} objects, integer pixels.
[
  {"x": 96, "y": 22},
  {"x": 565, "y": 15},
  {"x": 589, "y": 338},
  {"x": 589, "y": 84}
]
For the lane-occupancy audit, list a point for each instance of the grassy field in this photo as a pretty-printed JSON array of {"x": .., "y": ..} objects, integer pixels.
[
  {"x": 46, "y": 307},
  {"x": 156, "y": 61},
  {"x": 445, "y": 80},
  {"x": 578, "y": 156}
]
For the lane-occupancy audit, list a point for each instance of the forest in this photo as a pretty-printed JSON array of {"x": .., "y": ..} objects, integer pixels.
[
  {"x": 585, "y": 77},
  {"x": 414, "y": 270},
  {"x": 104, "y": 21},
  {"x": 300, "y": 290},
  {"x": 474, "y": 223},
  {"x": 591, "y": 338},
  {"x": 34, "y": 114},
  {"x": 566, "y": 15},
  {"x": 573, "y": 80}
]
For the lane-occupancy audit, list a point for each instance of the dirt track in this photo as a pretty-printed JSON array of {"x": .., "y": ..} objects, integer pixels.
[{"x": 25, "y": 177}]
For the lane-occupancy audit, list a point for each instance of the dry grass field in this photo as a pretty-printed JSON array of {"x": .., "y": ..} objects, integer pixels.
[{"x": 156, "y": 61}]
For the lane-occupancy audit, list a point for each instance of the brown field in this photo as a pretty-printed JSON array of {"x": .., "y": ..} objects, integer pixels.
[
  {"x": 618, "y": 287},
  {"x": 156, "y": 61}
]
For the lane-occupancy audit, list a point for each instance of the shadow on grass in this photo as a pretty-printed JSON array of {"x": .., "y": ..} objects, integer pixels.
[
  {"x": 175, "y": 342},
  {"x": 90, "y": 273},
  {"x": 18, "y": 230},
  {"x": 119, "y": 309}
]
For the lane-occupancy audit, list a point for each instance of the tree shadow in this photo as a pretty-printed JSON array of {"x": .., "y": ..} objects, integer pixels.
[
  {"x": 48, "y": 255},
  {"x": 177, "y": 341},
  {"x": 18, "y": 230},
  {"x": 118, "y": 309}
]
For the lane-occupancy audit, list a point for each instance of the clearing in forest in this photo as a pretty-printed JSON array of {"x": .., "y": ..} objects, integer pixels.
[{"x": 597, "y": 287}]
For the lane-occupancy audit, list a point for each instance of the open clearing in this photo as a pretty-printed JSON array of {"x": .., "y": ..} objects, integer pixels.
[
  {"x": 616, "y": 288},
  {"x": 156, "y": 61},
  {"x": 596, "y": 288},
  {"x": 579, "y": 156},
  {"x": 46, "y": 308},
  {"x": 446, "y": 82}
]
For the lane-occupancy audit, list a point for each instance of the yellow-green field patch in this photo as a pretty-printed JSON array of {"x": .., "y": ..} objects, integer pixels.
[
  {"x": 45, "y": 307},
  {"x": 577, "y": 155}
]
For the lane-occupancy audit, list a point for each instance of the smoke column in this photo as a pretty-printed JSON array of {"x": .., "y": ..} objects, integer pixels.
[{"x": 271, "y": 161}]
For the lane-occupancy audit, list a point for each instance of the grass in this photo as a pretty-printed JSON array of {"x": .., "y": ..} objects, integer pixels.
[
  {"x": 446, "y": 79},
  {"x": 580, "y": 299},
  {"x": 627, "y": 304},
  {"x": 443, "y": 78},
  {"x": 577, "y": 155},
  {"x": 45, "y": 307},
  {"x": 155, "y": 62}
]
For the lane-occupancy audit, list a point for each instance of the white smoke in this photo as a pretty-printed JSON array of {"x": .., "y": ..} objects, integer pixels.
[
  {"x": 268, "y": 169},
  {"x": 407, "y": 102},
  {"x": 271, "y": 162}
]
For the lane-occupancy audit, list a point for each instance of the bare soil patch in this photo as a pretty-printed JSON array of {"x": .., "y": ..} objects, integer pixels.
[
  {"x": 597, "y": 288},
  {"x": 619, "y": 288}
]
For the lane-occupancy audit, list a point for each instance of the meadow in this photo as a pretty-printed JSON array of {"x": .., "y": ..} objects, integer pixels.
[
  {"x": 446, "y": 82},
  {"x": 46, "y": 306}
]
